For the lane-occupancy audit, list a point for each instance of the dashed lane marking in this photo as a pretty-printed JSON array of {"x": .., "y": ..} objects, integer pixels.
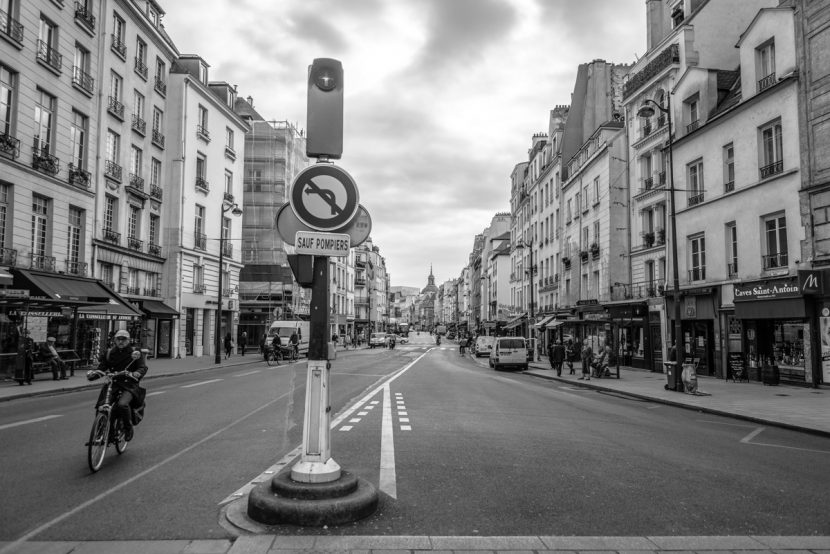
[
  {"x": 28, "y": 421},
  {"x": 201, "y": 383},
  {"x": 246, "y": 373}
]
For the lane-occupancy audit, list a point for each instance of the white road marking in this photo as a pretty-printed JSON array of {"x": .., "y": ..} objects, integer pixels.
[
  {"x": 406, "y": 428},
  {"x": 752, "y": 435},
  {"x": 246, "y": 373},
  {"x": 362, "y": 413},
  {"x": 156, "y": 392},
  {"x": 354, "y": 420},
  {"x": 388, "y": 480},
  {"x": 346, "y": 428},
  {"x": 202, "y": 383},
  {"x": 26, "y": 422},
  {"x": 403, "y": 413},
  {"x": 756, "y": 432},
  {"x": 403, "y": 419}
]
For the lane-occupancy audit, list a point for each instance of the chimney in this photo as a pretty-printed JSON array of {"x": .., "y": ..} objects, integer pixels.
[{"x": 250, "y": 100}]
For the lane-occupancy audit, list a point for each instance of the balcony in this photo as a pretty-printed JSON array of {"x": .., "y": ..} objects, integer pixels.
[
  {"x": 732, "y": 270},
  {"x": 115, "y": 107},
  {"x": 111, "y": 236},
  {"x": 154, "y": 250},
  {"x": 199, "y": 241},
  {"x": 83, "y": 79},
  {"x": 79, "y": 177},
  {"x": 112, "y": 170},
  {"x": 84, "y": 16},
  {"x": 661, "y": 178},
  {"x": 160, "y": 86},
  {"x": 151, "y": 292},
  {"x": 139, "y": 125},
  {"x": 42, "y": 263},
  {"x": 156, "y": 192},
  {"x": 772, "y": 169},
  {"x": 697, "y": 274},
  {"x": 137, "y": 185},
  {"x": 11, "y": 28},
  {"x": 135, "y": 244},
  {"x": 230, "y": 152},
  {"x": 132, "y": 290},
  {"x": 203, "y": 133},
  {"x": 766, "y": 82},
  {"x": 43, "y": 161},
  {"x": 49, "y": 55},
  {"x": 728, "y": 187},
  {"x": 648, "y": 183},
  {"x": 695, "y": 199},
  {"x": 664, "y": 59},
  {"x": 661, "y": 120},
  {"x": 141, "y": 68},
  {"x": 8, "y": 256},
  {"x": 646, "y": 131},
  {"x": 639, "y": 290},
  {"x": 76, "y": 268},
  {"x": 774, "y": 261},
  {"x": 199, "y": 288},
  {"x": 158, "y": 138},
  {"x": 118, "y": 47},
  {"x": 9, "y": 146},
  {"x": 359, "y": 282},
  {"x": 693, "y": 126},
  {"x": 227, "y": 249},
  {"x": 202, "y": 184}
]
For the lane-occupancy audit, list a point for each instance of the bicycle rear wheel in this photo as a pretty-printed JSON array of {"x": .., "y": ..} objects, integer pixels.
[{"x": 97, "y": 445}]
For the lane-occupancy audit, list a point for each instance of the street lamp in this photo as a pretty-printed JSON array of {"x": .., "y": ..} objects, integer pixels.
[
  {"x": 647, "y": 111},
  {"x": 233, "y": 207}
]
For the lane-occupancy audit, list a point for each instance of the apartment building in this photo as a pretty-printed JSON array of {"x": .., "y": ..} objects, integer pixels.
[{"x": 202, "y": 216}]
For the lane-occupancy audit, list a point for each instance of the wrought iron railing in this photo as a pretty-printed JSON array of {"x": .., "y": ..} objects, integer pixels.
[
  {"x": 729, "y": 187},
  {"x": 118, "y": 46},
  {"x": 8, "y": 256},
  {"x": 141, "y": 68},
  {"x": 156, "y": 192},
  {"x": 693, "y": 126},
  {"x": 76, "y": 268},
  {"x": 79, "y": 177},
  {"x": 135, "y": 244},
  {"x": 11, "y": 27},
  {"x": 772, "y": 169},
  {"x": 695, "y": 199},
  {"x": 201, "y": 183},
  {"x": 199, "y": 288},
  {"x": 697, "y": 274},
  {"x": 664, "y": 59},
  {"x": 112, "y": 170},
  {"x": 200, "y": 241},
  {"x": 85, "y": 15},
  {"x": 154, "y": 249},
  {"x": 139, "y": 125},
  {"x": 160, "y": 86},
  {"x": 112, "y": 236},
  {"x": 136, "y": 182},
  {"x": 227, "y": 248},
  {"x": 203, "y": 133},
  {"x": 48, "y": 54},
  {"x": 42, "y": 160},
  {"x": 158, "y": 138},
  {"x": 115, "y": 107},
  {"x": 43, "y": 263},
  {"x": 9, "y": 146},
  {"x": 773, "y": 261},
  {"x": 83, "y": 79},
  {"x": 766, "y": 82}
]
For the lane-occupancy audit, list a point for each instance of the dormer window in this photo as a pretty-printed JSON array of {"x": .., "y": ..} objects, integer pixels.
[
  {"x": 677, "y": 14},
  {"x": 203, "y": 73},
  {"x": 765, "y": 64},
  {"x": 691, "y": 107},
  {"x": 153, "y": 14}
]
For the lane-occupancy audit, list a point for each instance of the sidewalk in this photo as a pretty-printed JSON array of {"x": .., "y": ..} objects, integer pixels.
[{"x": 790, "y": 406}]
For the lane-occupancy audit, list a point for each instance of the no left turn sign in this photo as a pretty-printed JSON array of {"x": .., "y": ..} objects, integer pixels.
[{"x": 324, "y": 197}]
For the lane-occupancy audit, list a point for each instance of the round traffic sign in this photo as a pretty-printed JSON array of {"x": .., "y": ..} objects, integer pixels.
[{"x": 324, "y": 197}]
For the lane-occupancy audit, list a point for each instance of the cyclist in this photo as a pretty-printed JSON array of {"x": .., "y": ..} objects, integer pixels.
[
  {"x": 123, "y": 357},
  {"x": 462, "y": 345},
  {"x": 294, "y": 341},
  {"x": 276, "y": 345}
]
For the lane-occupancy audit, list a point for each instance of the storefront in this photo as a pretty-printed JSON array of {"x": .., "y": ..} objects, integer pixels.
[
  {"x": 157, "y": 328},
  {"x": 699, "y": 314},
  {"x": 630, "y": 326},
  {"x": 774, "y": 329}
]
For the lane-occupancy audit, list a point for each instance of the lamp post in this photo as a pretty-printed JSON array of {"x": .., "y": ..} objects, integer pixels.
[
  {"x": 233, "y": 207},
  {"x": 647, "y": 111},
  {"x": 529, "y": 245}
]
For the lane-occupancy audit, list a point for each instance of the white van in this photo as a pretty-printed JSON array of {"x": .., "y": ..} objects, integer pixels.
[
  {"x": 284, "y": 328},
  {"x": 509, "y": 352},
  {"x": 484, "y": 346}
]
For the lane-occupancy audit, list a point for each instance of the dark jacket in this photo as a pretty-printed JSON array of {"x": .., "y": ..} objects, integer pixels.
[
  {"x": 557, "y": 353},
  {"x": 119, "y": 359}
]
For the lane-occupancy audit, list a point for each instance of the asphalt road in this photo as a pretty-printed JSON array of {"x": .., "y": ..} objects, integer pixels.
[{"x": 473, "y": 452}]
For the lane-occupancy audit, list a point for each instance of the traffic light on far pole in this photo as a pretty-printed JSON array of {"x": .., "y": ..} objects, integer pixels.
[{"x": 325, "y": 109}]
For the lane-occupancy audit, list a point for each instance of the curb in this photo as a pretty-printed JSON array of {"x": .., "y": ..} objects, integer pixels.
[{"x": 714, "y": 411}]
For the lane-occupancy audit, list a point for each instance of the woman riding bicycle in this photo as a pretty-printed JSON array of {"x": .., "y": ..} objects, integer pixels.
[{"x": 123, "y": 357}]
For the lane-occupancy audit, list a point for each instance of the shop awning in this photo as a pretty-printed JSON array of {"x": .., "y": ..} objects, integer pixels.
[
  {"x": 789, "y": 308},
  {"x": 515, "y": 322},
  {"x": 154, "y": 308},
  {"x": 6, "y": 278},
  {"x": 542, "y": 322},
  {"x": 99, "y": 300},
  {"x": 553, "y": 323}
]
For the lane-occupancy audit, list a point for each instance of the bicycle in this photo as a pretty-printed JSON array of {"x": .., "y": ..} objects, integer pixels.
[
  {"x": 274, "y": 357},
  {"x": 106, "y": 431}
]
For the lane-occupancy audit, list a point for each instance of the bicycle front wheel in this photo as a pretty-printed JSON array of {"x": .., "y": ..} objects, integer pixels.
[
  {"x": 272, "y": 358},
  {"x": 97, "y": 445},
  {"x": 119, "y": 436}
]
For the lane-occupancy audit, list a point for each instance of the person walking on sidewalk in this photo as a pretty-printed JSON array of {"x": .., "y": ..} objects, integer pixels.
[
  {"x": 587, "y": 357},
  {"x": 228, "y": 345},
  {"x": 243, "y": 342},
  {"x": 557, "y": 357},
  {"x": 570, "y": 356}
]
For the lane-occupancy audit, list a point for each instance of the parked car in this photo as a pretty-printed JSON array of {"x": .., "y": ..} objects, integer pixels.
[
  {"x": 483, "y": 346},
  {"x": 403, "y": 339},
  {"x": 509, "y": 352},
  {"x": 377, "y": 339}
]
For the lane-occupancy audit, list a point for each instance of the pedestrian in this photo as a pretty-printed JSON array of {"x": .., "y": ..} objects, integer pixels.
[
  {"x": 263, "y": 341},
  {"x": 550, "y": 354},
  {"x": 334, "y": 338},
  {"x": 24, "y": 364},
  {"x": 294, "y": 342},
  {"x": 228, "y": 345},
  {"x": 587, "y": 358},
  {"x": 347, "y": 341},
  {"x": 243, "y": 342},
  {"x": 557, "y": 357},
  {"x": 49, "y": 354},
  {"x": 570, "y": 355}
]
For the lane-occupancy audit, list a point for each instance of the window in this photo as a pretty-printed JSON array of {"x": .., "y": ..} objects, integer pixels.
[
  {"x": 133, "y": 224},
  {"x": 229, "y": 139},
  {"x": 775, "y": 241},
  {"x": 113, "y": 146},
  {"x": 226, "y": 228},
  {"x": 47, "y": 44},
  {"x": 201, "y": 171},
  {"x": 772, "y": 157},
  {"x": 80, "y": 69},
  {"x": 155, "y": 172},
  {"x": 153, "y": 230},
  {"x": 692, "y": 113},
  {"x": 116, "y": 86},
  {"x": 4, "y": 212},
  {"x": 732, "y": 249},
  {"x": 138, "y": 105},
  {"x": 596, "y": 191},
  {"x": 199, "y": 227},
  {"x": 136, "y": 157},
  {"x": 158, "y": 120},
  {"x": 141, "y": 57},
  {"x": 44, "y": 109},
  {"x": 697, "y": 249},
  {"x": 586, "y": 197},
  {"x": 765, "y": 65},
  {"x": 161, "y": 76},
  {"x": 8, "y": 80},
  {"x": 229, "y": 183},
  {"x": 728, "y": 168},
  {"x": 203, "y": 73},
  {"x": 74, "y": 237},
  {"x": 110, "y": 213},
  {"x": 694, "y": 182},
  {"x": 596, "y": 233},
  {"x": 40, "y": 228},
  {"x": 118, "y": 35},
  {"x": 77, "y": 139},
  {"x": 198, "y": 278},
  {"x": 202, "y": 124}
]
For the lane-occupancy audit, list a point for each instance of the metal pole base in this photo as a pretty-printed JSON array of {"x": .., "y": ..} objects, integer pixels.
[{"x": 316, "y": 472}]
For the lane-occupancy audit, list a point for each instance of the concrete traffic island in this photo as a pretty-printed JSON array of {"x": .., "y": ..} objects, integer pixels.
[{"x": 284, "y": 500}]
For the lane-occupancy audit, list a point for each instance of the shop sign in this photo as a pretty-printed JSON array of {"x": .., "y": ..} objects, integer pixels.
[
  {"x": 588, "y": 302},
  {"x": 810, "y": 281},
  {"x": 691, "y": 306},
  {"x": 766, "y": 291},
  {"x": 14, "y": 293}
]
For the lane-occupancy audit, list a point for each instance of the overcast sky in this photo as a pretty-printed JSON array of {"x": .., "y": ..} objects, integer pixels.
[{"x": 441, "y": 96}]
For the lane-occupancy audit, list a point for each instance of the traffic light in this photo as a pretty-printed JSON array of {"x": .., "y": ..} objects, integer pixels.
[{"x": 324, "y": 115}]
